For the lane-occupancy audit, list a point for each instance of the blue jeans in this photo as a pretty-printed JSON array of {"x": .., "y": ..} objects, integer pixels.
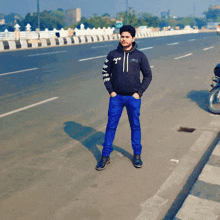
[{"x": 116, "y": 105}]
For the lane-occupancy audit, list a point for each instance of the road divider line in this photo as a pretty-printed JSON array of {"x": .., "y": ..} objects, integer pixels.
[
  {"x": 191, "y": 39},
  {"x": 29, "y": 106},
  {"x": 173, "y": 44},
  {"x": 40, "y": 54},
  {"x": 92, "y": 58},
  {"x": 19, "y": 71},
  {"x": 146, "y": 48},
  {"x": 183, "y": 56},
  {"x": 208, "y": 48}
]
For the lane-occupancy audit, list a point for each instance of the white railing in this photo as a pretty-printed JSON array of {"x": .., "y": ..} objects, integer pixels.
[{"x": 28, "y": 34}]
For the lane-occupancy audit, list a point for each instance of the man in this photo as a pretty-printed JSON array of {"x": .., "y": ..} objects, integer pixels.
[{"x": 121, "y": 75}]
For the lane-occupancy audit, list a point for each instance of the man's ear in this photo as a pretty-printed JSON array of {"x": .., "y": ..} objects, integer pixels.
[{"x": 133, "y": 39}]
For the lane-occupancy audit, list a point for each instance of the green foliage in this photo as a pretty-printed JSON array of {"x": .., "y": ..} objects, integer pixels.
[
  {"x": 95, "y": 22},
  {"x": 212, "y": 15},
  {"x": 48, "y": 19},
  {"x": 55, "y": 19},
  {"x": 136, "y": 20},
  {"x": 200, "y": 22},
  {"x": 12, "y": 18}
]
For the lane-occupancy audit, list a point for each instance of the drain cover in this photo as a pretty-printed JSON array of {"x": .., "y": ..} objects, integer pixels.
[{"x": 185, "y": 129}]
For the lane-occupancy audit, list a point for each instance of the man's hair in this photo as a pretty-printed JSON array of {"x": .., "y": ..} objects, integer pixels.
[{"x": 128, "y": 28}]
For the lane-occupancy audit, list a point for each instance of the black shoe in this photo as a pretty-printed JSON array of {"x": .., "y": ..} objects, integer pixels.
[
  {"x": 137, "y": 161},
  {"x": 102, "y": 163}
]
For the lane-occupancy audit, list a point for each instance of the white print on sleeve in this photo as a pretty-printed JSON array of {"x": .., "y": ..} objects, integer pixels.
[
  {"x": 104, "y": 75},
  {"x": 116, "y": 59},
  {"x": 106, "y": 79},
  {"x": 105, "y": 66},
  {"x": 106, "y": 60}
]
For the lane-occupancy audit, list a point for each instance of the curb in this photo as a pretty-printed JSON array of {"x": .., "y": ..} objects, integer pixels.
[
  {"x": 203, "y": 201},
  {"x": 168, "y": 200},
  {"x": 7, "y": 45}
]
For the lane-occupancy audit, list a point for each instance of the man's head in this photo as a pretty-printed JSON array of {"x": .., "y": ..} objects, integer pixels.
[
  {"x": 128, "y": 28},
  {"x": 127, "y": 33}
]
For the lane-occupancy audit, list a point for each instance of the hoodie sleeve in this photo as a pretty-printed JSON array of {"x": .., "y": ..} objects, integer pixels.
[
  {"x": 147, "y": 74},
  {"x": 107, "y": 73}
]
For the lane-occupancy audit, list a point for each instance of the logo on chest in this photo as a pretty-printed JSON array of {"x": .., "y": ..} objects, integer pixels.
[
  {"x": 117, "y": 59},
  {"x": 134, "y": 60}
]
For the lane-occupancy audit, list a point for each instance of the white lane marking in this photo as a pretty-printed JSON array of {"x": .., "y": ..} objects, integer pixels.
[
  {"x": 102, "y": 46},
  {"x": 19, "y": 71},
  {"x": 208, "y": 48},
  {"x": 146, "y": 48},
  {"x": 191, "y": 39},
  {"x": 183, "y": 56},
  {"x": 174, "y": 160},
  {"x": 40, "y": 54},
  {"x": 91, "y": 58},
  {"x": 27, "y": 107},
  {"x": 173, "y": 44}
]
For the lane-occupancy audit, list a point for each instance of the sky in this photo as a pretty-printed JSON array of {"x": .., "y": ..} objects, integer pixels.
[{"x": 180, "y": 8}]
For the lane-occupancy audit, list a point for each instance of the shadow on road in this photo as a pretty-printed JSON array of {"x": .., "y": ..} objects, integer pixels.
[
  {"x": 90, "y": 137},
  {"x": 200, "y": 98}
]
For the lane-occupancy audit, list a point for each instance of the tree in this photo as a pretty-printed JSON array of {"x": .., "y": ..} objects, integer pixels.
[
  {"x": 12, "y": 18},
  {"x": 94, "y": 22},
  {"x": 212, "y": 15},
  {"x": 48, "y": 19},
  {"x": 132, "y": 17},
  {"x": 200, "y": 22}
]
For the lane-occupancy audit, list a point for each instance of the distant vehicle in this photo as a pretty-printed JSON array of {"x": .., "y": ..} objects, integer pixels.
[
  {"x": 142, "y": 27},
  {"x": 119, "y": 24},
  {"x": 218, "y": 29}
]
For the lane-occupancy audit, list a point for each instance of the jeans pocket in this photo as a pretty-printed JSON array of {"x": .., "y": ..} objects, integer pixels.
[
  {"x": 114, "y": 96},
  {"x": 135, "y": 98}
]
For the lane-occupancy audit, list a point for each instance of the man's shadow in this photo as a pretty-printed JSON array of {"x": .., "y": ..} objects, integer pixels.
[
  {"x": 90, "y": 137},
  {"x": 200, "y": 98}
]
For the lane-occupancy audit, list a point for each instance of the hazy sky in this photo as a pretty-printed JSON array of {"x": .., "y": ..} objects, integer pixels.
[{"x": 89, "y": 7}]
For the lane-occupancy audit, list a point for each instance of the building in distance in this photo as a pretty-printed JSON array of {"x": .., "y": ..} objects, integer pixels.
[
  {"x": 72, "y": 16},
  {"x": 215, "y": 7}
]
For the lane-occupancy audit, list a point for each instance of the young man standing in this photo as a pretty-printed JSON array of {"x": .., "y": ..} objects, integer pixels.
[{"x": 121, "y": 75}]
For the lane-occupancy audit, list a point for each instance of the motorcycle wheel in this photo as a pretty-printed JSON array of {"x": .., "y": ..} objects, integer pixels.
[{"x": 214, "y": 101}]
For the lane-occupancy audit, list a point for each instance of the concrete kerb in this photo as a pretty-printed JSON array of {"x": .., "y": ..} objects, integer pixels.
[
  {"x": 165, "y": 204},
  {"x": 1, "y": 46}
]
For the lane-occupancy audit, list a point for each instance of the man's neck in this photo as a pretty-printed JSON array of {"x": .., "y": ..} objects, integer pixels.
[{"x": 127, "y": 49}]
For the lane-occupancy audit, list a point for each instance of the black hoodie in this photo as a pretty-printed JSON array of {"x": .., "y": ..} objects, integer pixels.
[{"x": 121, "y": 71}]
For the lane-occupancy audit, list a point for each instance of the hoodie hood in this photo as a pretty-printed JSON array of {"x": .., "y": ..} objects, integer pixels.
[{"x": 121, "y": 49}]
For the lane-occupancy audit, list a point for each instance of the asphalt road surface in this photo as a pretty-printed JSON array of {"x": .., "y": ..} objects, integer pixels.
[{"x": 53, "y": 114}]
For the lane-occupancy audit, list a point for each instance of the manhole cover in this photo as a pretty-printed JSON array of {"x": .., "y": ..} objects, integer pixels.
[{"x": 185, "y": 129}]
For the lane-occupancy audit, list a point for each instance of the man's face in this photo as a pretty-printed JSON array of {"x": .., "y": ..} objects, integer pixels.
[{"x": 126, "y": 39}]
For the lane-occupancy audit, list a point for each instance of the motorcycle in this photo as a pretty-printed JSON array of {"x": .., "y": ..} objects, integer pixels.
[{"x": 214, "y": 96}]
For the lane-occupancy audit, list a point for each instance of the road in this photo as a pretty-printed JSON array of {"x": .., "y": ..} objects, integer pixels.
[{"x": 53, "y": 113}]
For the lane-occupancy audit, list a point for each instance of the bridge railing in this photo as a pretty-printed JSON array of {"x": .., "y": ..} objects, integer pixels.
[{"x": 31, "y": 35}]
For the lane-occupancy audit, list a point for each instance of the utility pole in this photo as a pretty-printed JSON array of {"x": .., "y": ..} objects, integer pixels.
[
  {"x": 194, "y": 9},
  {"x": 38, "y": 15},
  {"x": 127, "y": 11}
]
